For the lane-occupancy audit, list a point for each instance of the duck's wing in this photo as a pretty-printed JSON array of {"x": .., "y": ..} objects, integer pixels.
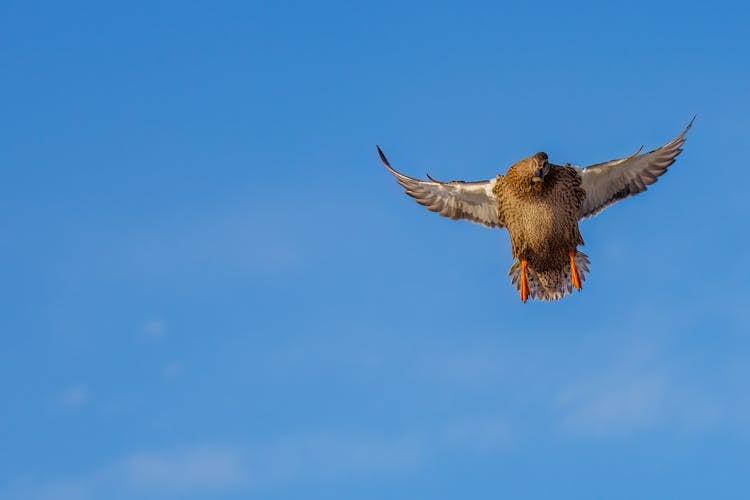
[
  {"x": 473, "y": 201},
  {"x": 609, "y": 182}
]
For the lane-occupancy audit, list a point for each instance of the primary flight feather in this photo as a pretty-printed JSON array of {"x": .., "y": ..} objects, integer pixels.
[{"x": 540, "y": 204}]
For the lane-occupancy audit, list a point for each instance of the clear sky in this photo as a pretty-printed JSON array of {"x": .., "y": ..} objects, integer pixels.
[{"x": 212, "y": 289}]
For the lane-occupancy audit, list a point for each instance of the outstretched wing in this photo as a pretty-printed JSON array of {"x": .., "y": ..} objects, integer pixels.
[
  {"x": 609, "y": 182},
  {"x": 474, "y": 201}
]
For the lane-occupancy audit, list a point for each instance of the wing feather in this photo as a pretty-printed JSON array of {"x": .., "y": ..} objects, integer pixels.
[
  {"x": 474, "y": 201},
  {"x": 609, "y": 182}
]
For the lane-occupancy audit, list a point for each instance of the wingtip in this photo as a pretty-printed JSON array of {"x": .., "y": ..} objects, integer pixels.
[
  {"x": 691, "y": 122},
  {"x": 382, "y": 157},
  {"x": 683, "y": 135}
]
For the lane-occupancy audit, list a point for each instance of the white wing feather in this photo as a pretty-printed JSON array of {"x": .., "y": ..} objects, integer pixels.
[{"x": 473, "y": 201}]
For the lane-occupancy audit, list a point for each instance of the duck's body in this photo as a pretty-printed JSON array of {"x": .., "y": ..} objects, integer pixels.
[
  {"x": 540, "y": 204},
  {"x": 542, "y": 220}
]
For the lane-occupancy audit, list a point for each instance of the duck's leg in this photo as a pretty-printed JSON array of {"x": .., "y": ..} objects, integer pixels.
[
  {"x": 524, "y": 281},
  {"x": 574, "y": 276}
]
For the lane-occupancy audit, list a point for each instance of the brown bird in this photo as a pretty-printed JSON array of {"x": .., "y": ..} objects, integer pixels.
[{"x": 540, "y": 204}]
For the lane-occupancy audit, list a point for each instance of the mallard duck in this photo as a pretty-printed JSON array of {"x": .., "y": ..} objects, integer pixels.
[{"x": 540, "y": 204}]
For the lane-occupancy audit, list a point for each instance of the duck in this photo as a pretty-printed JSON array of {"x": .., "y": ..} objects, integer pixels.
[{"x": 541, "y": 204}]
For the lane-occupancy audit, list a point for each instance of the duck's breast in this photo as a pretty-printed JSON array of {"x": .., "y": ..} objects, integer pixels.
[{"x": 538, "y": 226}]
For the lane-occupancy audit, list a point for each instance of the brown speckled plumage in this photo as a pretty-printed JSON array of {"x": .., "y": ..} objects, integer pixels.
[
  {"x": 542, "y": 220},
  {"x": 540, "y": 204}
]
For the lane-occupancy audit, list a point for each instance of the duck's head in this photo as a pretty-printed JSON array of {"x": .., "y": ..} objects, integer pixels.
[{"x": 540, "y": 167}]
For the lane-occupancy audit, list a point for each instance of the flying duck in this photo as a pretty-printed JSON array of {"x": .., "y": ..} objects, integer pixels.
[{"x": 540, "y": 204}]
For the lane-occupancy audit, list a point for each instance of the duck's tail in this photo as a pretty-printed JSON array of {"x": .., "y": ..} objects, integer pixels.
[{"x": 550, "y": 284}]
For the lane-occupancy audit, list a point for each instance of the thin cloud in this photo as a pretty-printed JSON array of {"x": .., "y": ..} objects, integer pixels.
[
  {"x": 326, "y": 457},
  {"x": 207, "y": 468},
  {"x": 172, "y": 369},
  {"x": 60, "y": 490},
  {"x": 217, "y": 469},
  {"x": 639, "y": 391},
  {"x": 73, "y": 398},
  {"x": 153, "y": 474},
  {"x": 154, "y": 328},
  {"x": 478, "y": 434},
  {"x": 615, "y": 404}
]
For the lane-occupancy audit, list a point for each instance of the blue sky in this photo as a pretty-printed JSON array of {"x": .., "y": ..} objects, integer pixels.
[{"x": 213, "y": 290}]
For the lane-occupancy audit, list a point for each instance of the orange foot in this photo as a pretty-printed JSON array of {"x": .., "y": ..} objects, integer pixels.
[
  {"x": 574, "y": 276},
  {"x": 524, "y": 281}
]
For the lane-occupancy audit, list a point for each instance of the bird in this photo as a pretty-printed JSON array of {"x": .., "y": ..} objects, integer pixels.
[{"x": 541, "y": 204}]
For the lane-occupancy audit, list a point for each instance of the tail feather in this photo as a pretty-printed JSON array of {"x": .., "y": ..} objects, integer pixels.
[{"x": 551, "y": 284}]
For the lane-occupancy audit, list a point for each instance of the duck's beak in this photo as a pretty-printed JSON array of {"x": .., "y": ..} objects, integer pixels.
[{"x": 538, "y": 175}]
